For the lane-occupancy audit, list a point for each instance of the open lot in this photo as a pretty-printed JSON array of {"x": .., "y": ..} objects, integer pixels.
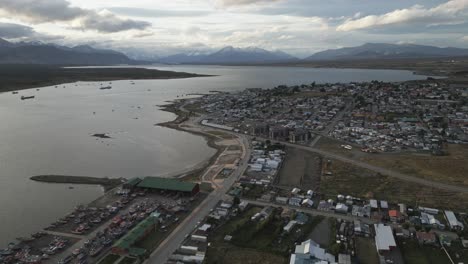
[
  {"x": 262, "y": 241},
  {"x": 366, "y": 251},
  {"x": 449, "y": 169},
  {"x": 413, "y": 253},
  {"x": 351, "y": 180},
  {"x": 300, "y": 169},
  {"x": 322, "y": 233}
]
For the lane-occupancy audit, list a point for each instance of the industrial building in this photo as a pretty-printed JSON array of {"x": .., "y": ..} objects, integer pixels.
[
  {"x": 168, "y": 184},
  {"x": 125, "y": 245},
  {"x": 384, "y": 240}
]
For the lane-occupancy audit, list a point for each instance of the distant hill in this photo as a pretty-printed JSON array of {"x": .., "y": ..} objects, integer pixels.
[
  {"x": 386, "y": 51},
  {"x": 231, "y": 55},
  {"x": 40, "y": 53}
]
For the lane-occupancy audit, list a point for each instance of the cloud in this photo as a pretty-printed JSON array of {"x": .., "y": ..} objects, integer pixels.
[
  {"x": 11, "y": 31},
  {"x": 145, "y": 12},
  {"x": 43, "y": 11},
  {"x": 451, "y": 12},
  {"x": 228, "y": 3}
]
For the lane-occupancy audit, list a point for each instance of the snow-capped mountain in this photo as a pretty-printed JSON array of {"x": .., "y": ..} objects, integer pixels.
[
  {"x": 386, "y": 51},
  {"x": 231, "y": 55}
]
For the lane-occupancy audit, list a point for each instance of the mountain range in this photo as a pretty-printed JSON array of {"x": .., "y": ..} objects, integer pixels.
[
  {"x": 231, "y": 55},
  {"x": 386, "y": 51},
  {"x": 41, "y": 53}
]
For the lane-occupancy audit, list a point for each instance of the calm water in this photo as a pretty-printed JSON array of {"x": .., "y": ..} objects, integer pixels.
[{"x": 51, "y": 134}]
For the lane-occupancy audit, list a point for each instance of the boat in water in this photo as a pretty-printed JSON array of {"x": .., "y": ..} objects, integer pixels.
[
  {"x": 106, "y": 88},
  {"x": 27, "y": 97}
]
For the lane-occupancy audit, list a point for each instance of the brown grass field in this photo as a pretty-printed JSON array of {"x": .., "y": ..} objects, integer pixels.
[{"x": 352, "y": 180}]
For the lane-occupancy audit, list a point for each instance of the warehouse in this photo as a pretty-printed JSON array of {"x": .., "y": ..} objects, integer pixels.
[
  {"x": 167, "y": 184},
  {"x": 125, "y": 245}
]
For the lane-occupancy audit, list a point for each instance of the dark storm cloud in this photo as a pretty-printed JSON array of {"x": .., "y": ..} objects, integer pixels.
[
  {"x": 9, "y": 30},
  {"x": 43, "y": 11}
]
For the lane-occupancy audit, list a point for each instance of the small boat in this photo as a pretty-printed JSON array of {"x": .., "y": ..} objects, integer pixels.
[
  {"x": 15, "y": 92},
  {"x": 71, "y": 187},
  {"x": 106, "y": 88},
  {"x": 27, "y": 97}
]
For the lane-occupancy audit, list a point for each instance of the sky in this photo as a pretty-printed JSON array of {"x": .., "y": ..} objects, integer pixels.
[{"x": 299, "y": 27}]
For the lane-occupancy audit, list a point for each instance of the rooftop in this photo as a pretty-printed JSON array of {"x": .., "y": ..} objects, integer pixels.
[{"x": 166, "y": 184}]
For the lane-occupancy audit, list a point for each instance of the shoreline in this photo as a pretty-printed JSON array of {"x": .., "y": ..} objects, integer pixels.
[
  {"x": 22, "y": 77},
  {"x": 106, "y": 183},
  {"x": 181, "y": 118}
]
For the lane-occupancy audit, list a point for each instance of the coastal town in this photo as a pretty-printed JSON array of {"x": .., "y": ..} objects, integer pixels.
[{"x": 272, "y": 194}]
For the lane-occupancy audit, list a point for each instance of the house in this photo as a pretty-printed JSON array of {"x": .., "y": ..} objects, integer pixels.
[
  {"x": 361, "y": 211},
  {"x": 287, "y": 213},
  {"x": 282, "y": 200},
  {"x": 295, "y": 201},
  {"x": 295, "y": 191},
  {"x": 341, "y": 208},
  {"x": 243, "y": 205},
  {"x": 361, "y": 229},
  {"x": 373, "y": 204},
  {"x": 428, "y": 219},
  {"x": 310, "y": 250},
  {"x": 384, "y": 240},
  {"x": 266, "y": 212},
  {"x": 395, "y": 216},
  {"x": 291, "y": 224},
  {"x": 426, "y": 238},
  {"x": 301, "y": 218},
  {"x": 453, "y": 221},
  {"x": 308, "y": 202},
  {"x": 383, "y": 204},
  {"x": 344, "y": 259}
]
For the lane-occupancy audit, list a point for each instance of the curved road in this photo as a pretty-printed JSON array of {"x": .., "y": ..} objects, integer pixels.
[{"x": 381, "y": 170}]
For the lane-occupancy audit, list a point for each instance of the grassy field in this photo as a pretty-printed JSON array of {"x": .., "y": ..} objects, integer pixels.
[
  {"x": 109, "y": 259},
  {"x": 300, "y": 169},
  {"x": 235, "y": 255},
  {"x": 366, "y": 251},
  {"x": 351, "y": 180},
  {"x": 128, "y": 260},
  {"x": 262, "y": 242},
  {"x": 413, "y": 253},
  {"x": 448, "y": 169}
]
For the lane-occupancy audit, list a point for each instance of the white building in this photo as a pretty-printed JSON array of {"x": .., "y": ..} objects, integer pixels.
[
  {"x": 384, "y": 240},
  {"x": 453, "y": 221}
]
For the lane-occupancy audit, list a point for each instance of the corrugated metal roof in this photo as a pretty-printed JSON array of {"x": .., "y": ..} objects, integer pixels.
[
  {"x": 133, "y": 181},
  {"x": 166, "y": 184},
  {"x": 127, "y": 241}
]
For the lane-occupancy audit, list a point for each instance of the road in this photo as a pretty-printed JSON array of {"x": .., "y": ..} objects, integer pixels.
[
  {"x": 312, "y": 211},
  {"x": 177, "y": 237},
  {"x": 381, "y": 170},
  {"x": 332, "y": 124}
]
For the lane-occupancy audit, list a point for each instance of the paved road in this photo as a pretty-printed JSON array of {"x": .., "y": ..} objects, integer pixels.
[
  {"x": 381, "y": 170},
  {"x": 177, "y": 237},
  {"x": 312, "y": 211},
  {"x": 332, "y": 124}
]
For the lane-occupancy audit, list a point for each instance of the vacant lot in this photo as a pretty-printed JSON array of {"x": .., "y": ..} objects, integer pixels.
[
  {"x": 448, "y": 169},
  {"x": 366, "y": 251},
  {"x": 300, "y": 169},
  {"x": 413, "y": 253},
  {"x": 256, "y": 242},
  {"x": 322, "y": 233},
  {"x": 351, "y": 180},
  {"x": 235, "y": 255}
]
